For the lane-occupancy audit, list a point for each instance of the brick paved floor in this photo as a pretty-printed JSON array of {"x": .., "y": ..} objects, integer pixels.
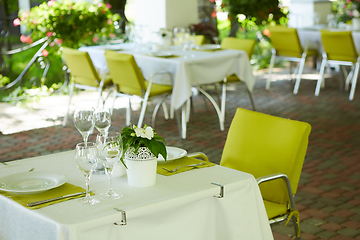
[{"x": 328, "y": 196}]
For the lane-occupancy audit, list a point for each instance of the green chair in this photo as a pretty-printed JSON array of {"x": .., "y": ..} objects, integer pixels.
[
  {"x": 339, "y": 48},
  {"x": 130, "y": 82},
  {"x": 246, "y": 45},
  {"x": 199, "y": 40},
  {"x": 272, "y": 149},
  {"x": 286, "y": 46},
  {"x": 83, "y": 73}
]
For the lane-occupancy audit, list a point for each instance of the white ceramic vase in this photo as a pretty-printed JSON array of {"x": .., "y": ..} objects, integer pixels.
[
  {"x": 165, "y": 42},
  {"x": 141, "y": 167},
  {"x": 356, "y": 23}
]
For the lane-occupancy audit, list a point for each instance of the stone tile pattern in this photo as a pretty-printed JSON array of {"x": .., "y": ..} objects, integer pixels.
[{"x": 328, "y": 196}]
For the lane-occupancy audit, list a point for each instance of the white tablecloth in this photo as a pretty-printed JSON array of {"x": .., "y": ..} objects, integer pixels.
[
  {"x": 191, "y": 68},
  {"x": 181, "y": 206},
  {"x": 311, "y": 38}
]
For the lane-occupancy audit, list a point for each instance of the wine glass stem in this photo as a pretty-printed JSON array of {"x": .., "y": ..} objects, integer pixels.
[
  {"x": 110, "y": 182},
  {"x": 87, "y": 182},
  {"x": 85, "y": 137}
]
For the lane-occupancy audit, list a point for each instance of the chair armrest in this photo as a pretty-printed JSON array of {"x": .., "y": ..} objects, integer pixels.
[
  {"x": 198, "y": 155},
  {"x": 287, "y": 182}
]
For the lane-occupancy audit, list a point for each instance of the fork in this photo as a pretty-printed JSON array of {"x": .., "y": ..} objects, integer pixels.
[{"x": 191, "y": 165}]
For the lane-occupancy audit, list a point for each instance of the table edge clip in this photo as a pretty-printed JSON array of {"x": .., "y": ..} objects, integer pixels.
[
  {"x": 123, "y": 218},
  {"x": 222, "y": 193}
]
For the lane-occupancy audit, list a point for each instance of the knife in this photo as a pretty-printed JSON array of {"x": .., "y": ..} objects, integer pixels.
[{"x": 54, "y": 199}]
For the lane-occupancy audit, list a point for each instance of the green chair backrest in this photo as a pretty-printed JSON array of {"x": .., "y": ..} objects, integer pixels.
[
  {"x": 339, "y": 45},
  {"x": 125, "y": 73},
  {"x": 199, "y": 39},
  {"x": 262, "y": 144},
  {"x": 81, "y": 67},
  {"x": 285, "y": 41},
  {"x": 246, "y": 45}
]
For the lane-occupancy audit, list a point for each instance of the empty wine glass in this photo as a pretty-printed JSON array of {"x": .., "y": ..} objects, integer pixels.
[
  {"x": 84, "y": 121},
  {"x": 102, "y": 120},
  {"x": 110, "y": 149},
  {"x": 86, "y": 157}
]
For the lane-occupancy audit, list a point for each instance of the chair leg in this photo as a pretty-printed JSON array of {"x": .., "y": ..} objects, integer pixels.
[
  {"x": 251, "y": 100},
  {"x": 218, "y": 111},
  {"x": 268, "y": 80},
  {"x": 321, "y": 77},
  {"x": 348, "y": 78},
  {"x": 184, "y": 119},
  {"x": 353, "y": 84},
  {"x": 296, "y": 226},
  {"x": 142, "y": 112},
  {"x": 128, "y": 113},
  {"x": 298, "y": 78},
  {"x": 165, "y": 109},
  {"x": 68, "y": 108},
  {"x": 172, "y": 111},
  {"x": 223, "y": 103},
  {"x": 100, "y": 97}
]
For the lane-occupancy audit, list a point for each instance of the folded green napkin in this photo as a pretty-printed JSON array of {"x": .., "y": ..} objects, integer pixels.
[
  {"x": 64, "y": 189},
  {"x": 164, "y": 56},
  {"x": 181, "y": 162},
  {"x": 209, "y": 50}
]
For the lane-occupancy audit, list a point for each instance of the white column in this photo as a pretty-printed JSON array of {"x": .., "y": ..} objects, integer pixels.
[
  {"x": 156, "y": 14},
  {"x": 302, "y": 12}
]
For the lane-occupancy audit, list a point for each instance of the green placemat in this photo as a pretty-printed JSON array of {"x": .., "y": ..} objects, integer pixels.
[
  {"x": 181, "y": 162},
  {"x": 164, "y": 56},
  {"x": 208, "y": 50},
  {"x": 64, "y": 189}
]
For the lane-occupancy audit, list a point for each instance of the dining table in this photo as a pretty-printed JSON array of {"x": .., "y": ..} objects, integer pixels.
[
  {"x": 187, "y": 68},
  {"x": 211, "y": 202},
  {"x": 310, "y": 37}
]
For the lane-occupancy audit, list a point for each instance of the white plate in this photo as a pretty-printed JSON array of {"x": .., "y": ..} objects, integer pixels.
[
  {"x": 163, "y": 54},
  {"x": 208, "y": 47},
  {"x": 31, "y": 182},
  {"x": 172, "y": 154}
]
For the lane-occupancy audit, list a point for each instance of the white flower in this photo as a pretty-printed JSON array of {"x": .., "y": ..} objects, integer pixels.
[{"x": 148, "y": 132}]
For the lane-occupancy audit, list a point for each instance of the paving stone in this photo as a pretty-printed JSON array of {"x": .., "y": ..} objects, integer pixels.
[
  {"x": 326, "y": 234},
  {"x": 330, "y": 181},
  {"x": 329, "y": 209},
  {"x": 314, "y": 221},
  {"x": 309, "y": 228},
  {"x": 351, "y": 224},
  {"x": 349, "y": 232},
  {"x": 336, "y": 219}
]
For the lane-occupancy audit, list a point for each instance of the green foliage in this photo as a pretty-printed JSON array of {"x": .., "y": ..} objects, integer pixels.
[
  {"x": 4, "y": 80},
  {"x": 258, "y": 11},
  {"x": 131, "y": 140},
  {"x": 69, "y": 24}
]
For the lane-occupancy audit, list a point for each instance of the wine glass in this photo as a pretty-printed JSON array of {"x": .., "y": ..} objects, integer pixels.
[
  {"x": 110, "y": 149},
  {"x": 84, "y": 121},
  {"x": 86, "y": 157},
  {"x": 102, "y": 120}
]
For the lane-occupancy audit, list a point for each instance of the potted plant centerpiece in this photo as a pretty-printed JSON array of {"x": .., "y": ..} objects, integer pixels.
[{"x": 142, "y": 146}]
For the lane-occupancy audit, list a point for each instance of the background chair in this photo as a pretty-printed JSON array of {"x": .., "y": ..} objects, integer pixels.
[
  {"x": 130, "y": 82},
  {"x": 199, "y": 39},
  {"x": 246, "y": 45},
  {"x": 273, "y": 150},
  {"x": 339, "y": 48},
  {"x": 286, "y": 45},
  {"x": 83, "y": 73}
]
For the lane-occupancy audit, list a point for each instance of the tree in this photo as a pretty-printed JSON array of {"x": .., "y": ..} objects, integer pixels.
[{"x": 259, "y": 11}]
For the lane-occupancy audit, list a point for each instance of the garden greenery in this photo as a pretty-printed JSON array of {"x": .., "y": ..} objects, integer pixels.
[{"x": 67, "y": 23}]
